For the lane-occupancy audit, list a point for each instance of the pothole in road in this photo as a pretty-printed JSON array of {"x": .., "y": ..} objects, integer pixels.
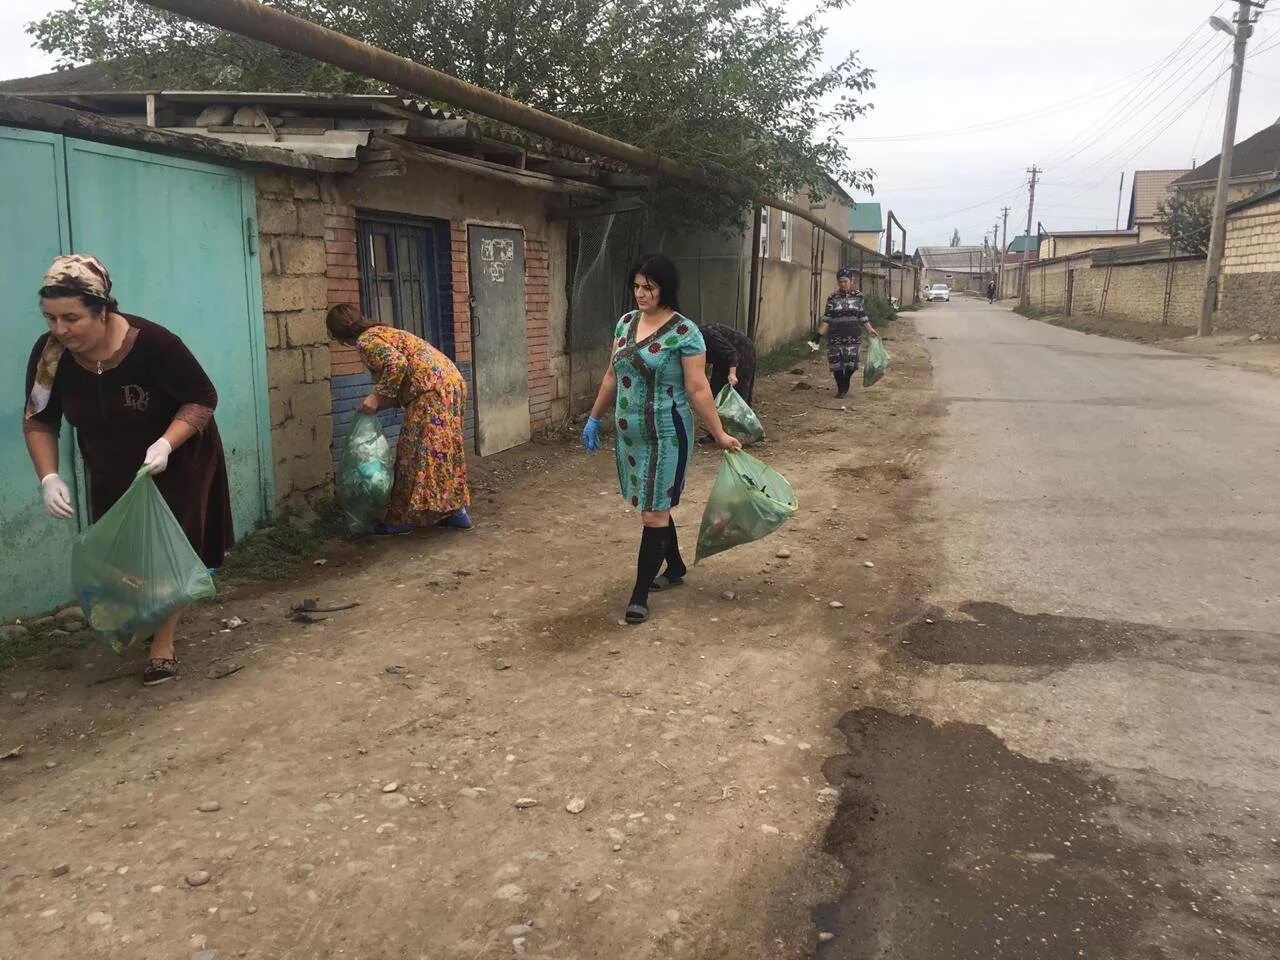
[
  {"x": 957, "y": 847},
  {"x": 992, "y": 633}
]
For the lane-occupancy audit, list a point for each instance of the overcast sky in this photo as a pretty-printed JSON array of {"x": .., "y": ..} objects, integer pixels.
[{"x": 1102, "y": 83}]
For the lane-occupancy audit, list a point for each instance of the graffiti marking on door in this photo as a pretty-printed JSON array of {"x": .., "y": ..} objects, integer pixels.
[{"x": 497, "y": 254}]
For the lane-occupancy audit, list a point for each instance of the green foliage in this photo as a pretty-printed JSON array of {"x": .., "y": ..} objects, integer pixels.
[
  {"x": 735, "y": 83},
  {"x": 784, "y": 357},
  {"x": 275, "y": 552},
  {"x": 880, "y": 311},
  {"x": 1187, "y": 218}
]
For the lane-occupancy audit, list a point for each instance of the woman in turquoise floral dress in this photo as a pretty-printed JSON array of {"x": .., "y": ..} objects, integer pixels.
[{"x": 657, "y": 374}]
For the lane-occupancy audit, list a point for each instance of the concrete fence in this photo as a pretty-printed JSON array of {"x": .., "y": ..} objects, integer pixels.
[{"x": 1157, "y": 283}]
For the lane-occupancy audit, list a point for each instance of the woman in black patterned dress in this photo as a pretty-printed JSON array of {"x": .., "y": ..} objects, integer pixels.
[{"x": 843, "y": 322}]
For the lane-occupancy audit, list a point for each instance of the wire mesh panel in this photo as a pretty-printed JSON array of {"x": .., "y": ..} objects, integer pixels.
[{"x": 602, "y": 249}]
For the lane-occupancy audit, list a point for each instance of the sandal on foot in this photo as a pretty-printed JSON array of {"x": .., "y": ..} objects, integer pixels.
[
  {"x": 159, "y": 669},
  {"x": 663, "y": 582},
  {"x": 636, "y": 614}
]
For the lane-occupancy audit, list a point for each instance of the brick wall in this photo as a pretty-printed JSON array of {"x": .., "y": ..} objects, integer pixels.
[
  {"x": 537, "y": 298},
  {"x": 291, "y": 225},
  {"x": 1251, "y": 270}
]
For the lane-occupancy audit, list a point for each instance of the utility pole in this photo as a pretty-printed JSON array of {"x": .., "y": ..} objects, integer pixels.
[
  {"x": 1217, "y": 237},
  {"x": 1119, "y": 199},
  {"x": 1004, "y": 248},
  {"x": 996, "y": 253},
  {"x": 1024, "y": 295}
]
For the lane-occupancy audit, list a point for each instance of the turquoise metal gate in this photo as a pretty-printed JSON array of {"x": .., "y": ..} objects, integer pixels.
[{"x": 179, "y": 238}]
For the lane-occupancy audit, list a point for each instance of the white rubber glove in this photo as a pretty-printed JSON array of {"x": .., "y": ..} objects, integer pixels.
[
  {"x": 57, "y": 497},
  {"x": 157, "y": 458}
]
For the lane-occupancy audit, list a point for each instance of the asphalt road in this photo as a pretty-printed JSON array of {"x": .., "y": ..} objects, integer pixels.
[{"x": 1081, "y": 757}]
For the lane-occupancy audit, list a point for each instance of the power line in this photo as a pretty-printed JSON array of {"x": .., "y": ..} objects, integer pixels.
[
  {"x": 1126, "y": 109},
  {"x": 981, "y": 203},
  {"x": 1033, "y": 114},
  {"x": 1195, "y": 144},
  {"x": 1160, "y": 131},
  {"x": 1168, "y": 108}
]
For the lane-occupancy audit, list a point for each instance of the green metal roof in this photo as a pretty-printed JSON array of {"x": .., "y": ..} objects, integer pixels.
[
  {"x": 866, "y": 218},
  {"x": 1025, "y": 243}
]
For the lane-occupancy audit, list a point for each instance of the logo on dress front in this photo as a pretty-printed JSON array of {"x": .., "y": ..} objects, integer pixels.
[{"x": 135, "y": 398}]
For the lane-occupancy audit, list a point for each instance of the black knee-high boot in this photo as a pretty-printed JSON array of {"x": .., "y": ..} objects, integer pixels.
[
  {"x": 676, "y": 568},
  {"x": 653, "y": 549}
]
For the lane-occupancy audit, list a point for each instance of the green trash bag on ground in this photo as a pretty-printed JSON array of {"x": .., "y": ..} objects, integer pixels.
[
  {"x": 749, "y": 501},
  {"x": 365, "y": 474},
  {"x": 737, "y": 416},
  {"x": 877, "y": 362},
  {"x": 135, "y": 567}
]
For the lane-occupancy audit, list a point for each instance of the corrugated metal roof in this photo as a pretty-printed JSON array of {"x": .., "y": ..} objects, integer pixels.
[
  {"x": 866, "y": 218},
  {"x": 1025, "y": 243},
  {"x": 1149, "y": 188},
  {"x": 956, "y": 259},
  {"x": 1090, "y": 233},
  {"x": 1152, "y": 251}
]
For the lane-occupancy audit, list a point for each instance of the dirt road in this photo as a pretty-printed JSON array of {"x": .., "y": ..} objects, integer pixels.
[{"x": 355, "y": 790}]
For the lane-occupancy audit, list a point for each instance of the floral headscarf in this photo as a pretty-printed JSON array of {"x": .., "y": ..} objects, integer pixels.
[{"x": 79, "y": 273}]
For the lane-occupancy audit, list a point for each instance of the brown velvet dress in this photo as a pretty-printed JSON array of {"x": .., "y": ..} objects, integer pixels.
[{"x": 119, "y": 411}]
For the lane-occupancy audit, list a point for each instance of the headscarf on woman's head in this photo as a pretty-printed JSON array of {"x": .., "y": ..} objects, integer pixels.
[
  {"x": 846, "y": 273},
  {"x": 79, "y": 273},
  {"x": 70, "y": 275}
]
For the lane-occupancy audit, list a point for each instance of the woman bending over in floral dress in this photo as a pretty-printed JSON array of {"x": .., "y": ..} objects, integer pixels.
[{"x": 430, "y": 484}]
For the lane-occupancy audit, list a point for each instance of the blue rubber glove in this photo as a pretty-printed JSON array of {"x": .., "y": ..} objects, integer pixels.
[{"x": 591, "y": 435}]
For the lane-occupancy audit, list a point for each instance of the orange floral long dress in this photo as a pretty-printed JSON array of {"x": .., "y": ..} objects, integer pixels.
[{"x": 431, "y": 463}]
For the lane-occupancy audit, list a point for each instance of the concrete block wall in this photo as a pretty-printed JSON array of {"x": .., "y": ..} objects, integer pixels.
[
  {"x": 1134, "y": 293},
  {"x": 291, "y": 227},
  {"x": 1250, "y": 294}
]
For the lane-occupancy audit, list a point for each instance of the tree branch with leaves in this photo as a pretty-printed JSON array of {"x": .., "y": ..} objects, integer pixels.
[{"x": 736, "y": 83}]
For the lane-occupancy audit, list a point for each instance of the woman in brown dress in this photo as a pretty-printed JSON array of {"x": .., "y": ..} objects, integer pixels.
[{"x": 137, "y": 398}]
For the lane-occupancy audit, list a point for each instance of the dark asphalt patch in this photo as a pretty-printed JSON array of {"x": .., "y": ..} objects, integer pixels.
[
  {"x": 958, "y": 848},
  {"x": 992, "y": 633}
]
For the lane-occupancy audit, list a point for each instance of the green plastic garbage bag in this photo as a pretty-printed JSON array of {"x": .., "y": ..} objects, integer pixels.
[
  {"x": 135, "y": 567},
  {"x": 749, "y": 501},
  {"x": 877, "y": 362},
  {"x": 365, "y": 474},
  {"x": 737, "y": 416}
]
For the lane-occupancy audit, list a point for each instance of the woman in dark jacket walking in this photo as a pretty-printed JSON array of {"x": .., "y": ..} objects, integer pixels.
[{"x": 137, "y": 398}]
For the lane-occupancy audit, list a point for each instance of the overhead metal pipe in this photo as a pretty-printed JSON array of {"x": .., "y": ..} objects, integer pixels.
[{"x": 273, "y": 26}]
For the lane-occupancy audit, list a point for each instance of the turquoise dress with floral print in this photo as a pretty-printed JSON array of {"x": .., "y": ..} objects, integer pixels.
[{"x": 654, "y": 421}]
